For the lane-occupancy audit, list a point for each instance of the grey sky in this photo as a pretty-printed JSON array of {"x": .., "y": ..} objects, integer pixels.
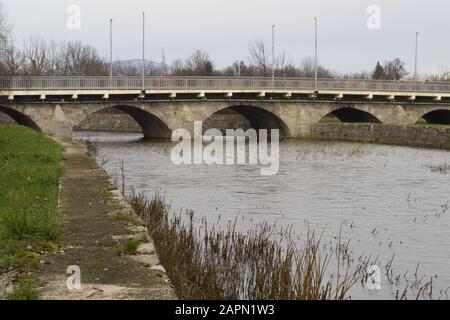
[{"x": 224, "y": 28}]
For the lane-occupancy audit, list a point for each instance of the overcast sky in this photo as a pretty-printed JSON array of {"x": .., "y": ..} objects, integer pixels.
[{"x": 224, "y": 28}]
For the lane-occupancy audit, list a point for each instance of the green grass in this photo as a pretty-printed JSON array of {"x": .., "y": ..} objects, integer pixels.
[
  {"x": 30, "y": 167},
  {"x": 26, "y": 290},
  {"x": 129, "y": 246}
]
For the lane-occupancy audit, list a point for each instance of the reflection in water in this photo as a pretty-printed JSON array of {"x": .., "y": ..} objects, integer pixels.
[{"x": 385, "y": 198}]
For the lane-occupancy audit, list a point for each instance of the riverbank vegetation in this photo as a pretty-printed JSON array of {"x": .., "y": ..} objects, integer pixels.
[
  {"x": 443, "y": 168},
  {"x": 207, "y": 262},
  {"x": 30, "y": 167}
]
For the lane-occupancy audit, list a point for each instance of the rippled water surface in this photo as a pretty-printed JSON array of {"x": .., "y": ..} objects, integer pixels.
[{"x": 385, "y": 198}]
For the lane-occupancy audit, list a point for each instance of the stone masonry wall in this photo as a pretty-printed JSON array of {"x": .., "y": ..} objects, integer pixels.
[
  {"x": 419, "y": 136},
  {"x": 117, "y": 121},
  {"x": 5, "y": 119}
]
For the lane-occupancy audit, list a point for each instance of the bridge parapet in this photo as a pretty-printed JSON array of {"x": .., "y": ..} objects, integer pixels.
[{"x": 101, "y": 88}]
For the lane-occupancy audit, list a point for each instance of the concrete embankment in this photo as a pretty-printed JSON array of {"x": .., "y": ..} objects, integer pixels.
[
  {"x": 103, "y": 237},
  {"x": 417, "y": 136}
]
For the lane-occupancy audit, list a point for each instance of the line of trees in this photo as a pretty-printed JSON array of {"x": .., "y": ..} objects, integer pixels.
[
  {"x": 258, "y": 63},
  {"x": 391, "y": 70},
  {"x": 38, "y": 56}
]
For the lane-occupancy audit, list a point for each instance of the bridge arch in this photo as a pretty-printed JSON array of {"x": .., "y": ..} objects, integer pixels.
[
  {"x": 152, "y": 126},
  {"x": 255, "y": 117},
  {"x": 438, "y": 116},
  {"x": 351, "y": 115},
  {"x": 20, "y": 118}
]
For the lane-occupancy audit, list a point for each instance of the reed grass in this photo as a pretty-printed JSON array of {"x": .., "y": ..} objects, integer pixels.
[{"x": 206, "y": 262}]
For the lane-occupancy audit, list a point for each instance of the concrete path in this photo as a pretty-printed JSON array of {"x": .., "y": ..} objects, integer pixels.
[{"x": 95, "y": 223}]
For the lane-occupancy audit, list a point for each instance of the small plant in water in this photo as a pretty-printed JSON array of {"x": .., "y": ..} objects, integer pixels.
[{"x": 443, "y": 168}]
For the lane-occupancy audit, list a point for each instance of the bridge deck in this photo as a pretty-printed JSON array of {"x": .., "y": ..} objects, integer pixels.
[{"x": 226, "y": 87}]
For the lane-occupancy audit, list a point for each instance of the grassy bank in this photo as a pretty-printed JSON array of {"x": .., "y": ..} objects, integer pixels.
[{"x": 30, "y": 167}]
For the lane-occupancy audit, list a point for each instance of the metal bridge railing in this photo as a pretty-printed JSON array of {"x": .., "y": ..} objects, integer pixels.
[{"x": 213, "y": 83}]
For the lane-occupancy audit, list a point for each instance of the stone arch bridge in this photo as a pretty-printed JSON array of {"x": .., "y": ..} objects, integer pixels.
[{"x": 57, "y": 105}]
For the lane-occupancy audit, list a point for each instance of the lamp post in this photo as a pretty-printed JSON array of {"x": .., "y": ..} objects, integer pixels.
[
  {"x": 415, "y": 59},
  {"x": 316, "y": 63},
  {"x": 111, "y": 49},
  {"x": 143, "y": 54},
  {"x": 273, "y": 57}
]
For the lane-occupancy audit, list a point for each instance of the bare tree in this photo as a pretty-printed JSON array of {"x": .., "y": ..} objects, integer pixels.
[
  {"x": 133, "y": 67},
  {"x": 55, "y": 63},
  {"x": 5, "y": 28},
  {"x": 284, "y": 67},
  {"x": 35, "y": 54},
  {"x": 307, "y": 69},
  {"x": 198, "y": 64},
  {"x": 234, "y": 69},
  {"x": 395, "y": 69},
  {"x": 440, "y": 75},
  {"x": 7, "y": 51},
  {"x": 11, "y": 61},
  {"x": 362, "y": 75},
  {"x": 78, "y": 60},
  {"x": 259, "y": 57},
  {"x": 240, "y": 68},
  {"x": 177, "y": 67},
  {"x": 49, "y": 58}
]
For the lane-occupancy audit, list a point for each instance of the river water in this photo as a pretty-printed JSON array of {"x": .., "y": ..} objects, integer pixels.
[{"x": 385, "y": 199}]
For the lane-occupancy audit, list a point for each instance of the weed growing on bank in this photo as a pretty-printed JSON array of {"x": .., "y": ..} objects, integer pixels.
[
  {"x": 25, "y": 290},
  {"x": 207, "y": 262}
]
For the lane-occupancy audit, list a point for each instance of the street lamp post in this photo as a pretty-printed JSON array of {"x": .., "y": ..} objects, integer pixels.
[
  {"x": 316, "y": 62},
  {"x": 273, "y": 57},
  {"x": 143, "y": 54},
  {"x": 111, "y": 48},
  {"x": 415, "y": 59}
]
